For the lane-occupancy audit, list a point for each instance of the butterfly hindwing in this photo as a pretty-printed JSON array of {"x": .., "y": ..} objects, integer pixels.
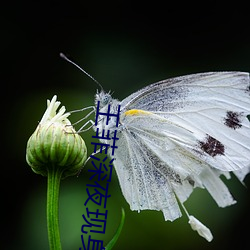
[
  {"x": 141, "y": 183},
  {"x": 156, "y": 166}
]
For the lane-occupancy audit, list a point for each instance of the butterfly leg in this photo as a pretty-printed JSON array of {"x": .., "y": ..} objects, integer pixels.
[{"x": 83, "y": 127}]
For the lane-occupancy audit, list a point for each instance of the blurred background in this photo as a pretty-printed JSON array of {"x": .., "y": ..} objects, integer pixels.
[{"x": 125, "y": 45}]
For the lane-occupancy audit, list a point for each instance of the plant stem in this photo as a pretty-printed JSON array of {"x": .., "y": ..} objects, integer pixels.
[
  {"x": 54, "y": 177},
  {"x": 117, "y": 234}
]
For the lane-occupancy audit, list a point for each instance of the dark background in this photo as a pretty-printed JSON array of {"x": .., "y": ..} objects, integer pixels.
[{"x": 125, "y": 45}]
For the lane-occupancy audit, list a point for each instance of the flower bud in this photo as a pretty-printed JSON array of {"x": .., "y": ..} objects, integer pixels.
[{"x": 55, "y": 143}]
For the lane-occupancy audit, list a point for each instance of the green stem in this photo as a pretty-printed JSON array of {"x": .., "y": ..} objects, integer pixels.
[
  {"x": 54, "y": 177},
  {"x": 117, "y": 234}
]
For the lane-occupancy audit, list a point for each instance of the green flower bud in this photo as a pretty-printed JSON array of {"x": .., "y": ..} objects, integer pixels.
[{"x": 55, "y": 143}]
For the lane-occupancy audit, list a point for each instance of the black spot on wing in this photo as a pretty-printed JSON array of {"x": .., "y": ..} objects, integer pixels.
[
  {"x": 233, "y": 119},
  {"x": 248, "y": 89},
  {"x": 212, "y": 146},
  {"x": 190, "y": 181}
]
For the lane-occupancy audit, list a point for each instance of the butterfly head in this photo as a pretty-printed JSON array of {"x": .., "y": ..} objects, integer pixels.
[
  {"x": 103, "y": 97},
  {"x": 107, "y": 105}
]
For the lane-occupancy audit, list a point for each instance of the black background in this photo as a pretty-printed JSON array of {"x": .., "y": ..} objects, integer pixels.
[{"x": 124, "y": 45}]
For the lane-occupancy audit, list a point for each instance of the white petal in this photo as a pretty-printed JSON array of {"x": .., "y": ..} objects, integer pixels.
[
  {"x": 48, "y": 113},
  {"x": 200, "y": 228},
  {"x": 51, "y": 114}
]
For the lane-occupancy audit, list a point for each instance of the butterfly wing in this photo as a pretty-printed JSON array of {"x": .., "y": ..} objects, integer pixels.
[
  {"x": 153, "y": 169},
  {"x": 140, "y": 185},
  {"x": 213, "y": 106},
  {"x": 181, "y": 133}
]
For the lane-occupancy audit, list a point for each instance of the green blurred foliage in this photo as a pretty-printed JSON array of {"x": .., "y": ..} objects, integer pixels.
[{"x": 124, "y": 49}]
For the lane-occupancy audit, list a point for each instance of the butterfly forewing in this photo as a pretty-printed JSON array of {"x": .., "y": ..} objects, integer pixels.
[{"x": 212, "y": 106}]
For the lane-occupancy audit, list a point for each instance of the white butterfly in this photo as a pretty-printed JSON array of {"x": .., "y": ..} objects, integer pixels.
[{"x": 178, "y": 134}]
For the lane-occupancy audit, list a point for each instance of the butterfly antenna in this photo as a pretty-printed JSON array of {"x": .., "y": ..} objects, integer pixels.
[{"x": 68, "y": 60}]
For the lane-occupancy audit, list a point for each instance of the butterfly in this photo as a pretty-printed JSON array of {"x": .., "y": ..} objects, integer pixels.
[
  {"x": 179, "y": 134},
  {"x": 176, "y": 135}
]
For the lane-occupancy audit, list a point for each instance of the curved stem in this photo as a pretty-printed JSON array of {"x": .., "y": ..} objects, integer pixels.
[
  {"x": 117, "y": 234},
  {"x": 54, "y": 177}
]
